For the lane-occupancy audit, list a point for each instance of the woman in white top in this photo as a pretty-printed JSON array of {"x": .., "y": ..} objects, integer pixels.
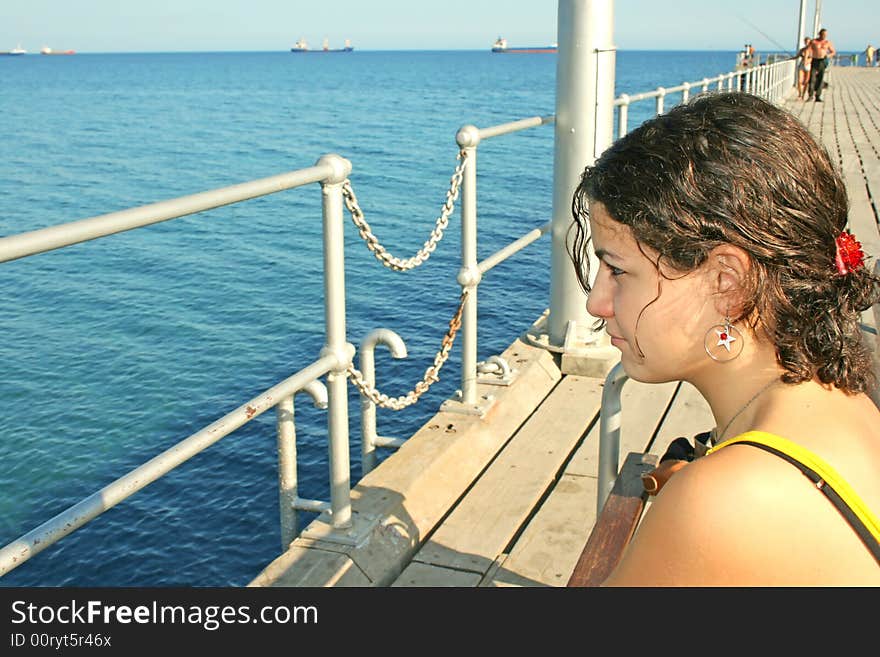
[{"x": 805, "y": 58}]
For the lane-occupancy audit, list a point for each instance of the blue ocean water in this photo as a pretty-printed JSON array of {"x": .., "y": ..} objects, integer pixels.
[{"x": 116, "y": 349}]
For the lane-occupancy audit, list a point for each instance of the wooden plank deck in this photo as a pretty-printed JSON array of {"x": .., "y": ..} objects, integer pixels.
[{"x": 509, "y": 499}]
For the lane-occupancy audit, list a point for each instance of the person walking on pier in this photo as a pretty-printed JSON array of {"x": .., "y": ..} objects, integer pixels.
[
  {"x": 805, "y": 58},
  {"x": 822, "y": 49},
  {"x": 869, "y": 55},
  {"x": 724, "y": 261}
]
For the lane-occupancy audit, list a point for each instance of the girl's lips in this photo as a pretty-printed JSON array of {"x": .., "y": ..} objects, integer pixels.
[{"x": 615, "y": 340}]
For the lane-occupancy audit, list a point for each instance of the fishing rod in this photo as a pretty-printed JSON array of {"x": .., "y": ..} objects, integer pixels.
[{"x": 765, "y": 35}]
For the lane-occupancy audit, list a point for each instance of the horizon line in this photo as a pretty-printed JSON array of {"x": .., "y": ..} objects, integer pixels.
[{"x": 355, "y": 49}]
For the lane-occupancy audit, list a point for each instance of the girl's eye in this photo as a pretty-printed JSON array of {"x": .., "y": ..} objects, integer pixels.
[{"x": 615, "y": 271}]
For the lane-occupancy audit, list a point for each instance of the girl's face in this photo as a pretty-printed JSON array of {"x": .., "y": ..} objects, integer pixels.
[{"x": 658, "y": 322}]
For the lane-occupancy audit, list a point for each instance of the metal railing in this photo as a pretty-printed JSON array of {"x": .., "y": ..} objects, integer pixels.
[
  {"x": 771, "y": 81},
  {"x": 336, "y": 357},
  {"x": 469, "y": 277},
  {"x": 329, "y": 171}
]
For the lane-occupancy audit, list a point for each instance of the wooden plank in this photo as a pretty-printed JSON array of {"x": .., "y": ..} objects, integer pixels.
[
  {"x": 642, "y": 405},
  {"x": 504, "y": 497},
  {"x": 616, "y": 524},
  {"x": 298, "y": 565},
  {"x": 421, "y": 574},
  {"x": 551, "y": 543},
  {"x": 547, "y": 551}
]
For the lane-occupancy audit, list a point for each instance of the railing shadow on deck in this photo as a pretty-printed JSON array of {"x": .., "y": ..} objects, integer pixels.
[{"x": 386, "y": 555}]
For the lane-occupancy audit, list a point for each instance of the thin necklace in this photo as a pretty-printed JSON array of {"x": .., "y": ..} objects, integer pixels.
[{"x": 716, "y": 438}]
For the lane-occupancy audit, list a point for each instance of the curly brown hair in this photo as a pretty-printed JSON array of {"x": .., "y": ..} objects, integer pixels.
[{"x": 733, "y": 168}]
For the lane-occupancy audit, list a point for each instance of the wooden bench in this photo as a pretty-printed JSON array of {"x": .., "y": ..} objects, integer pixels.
[{"x": 616, "y": 523}]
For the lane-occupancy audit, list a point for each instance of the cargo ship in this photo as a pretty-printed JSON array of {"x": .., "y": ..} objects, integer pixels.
[
  {"x": 46, "y": 50},
  {"x": 18, "y": 50},
  {"x": 500, "y": 45},
  {"x": 302, "y": 46}
]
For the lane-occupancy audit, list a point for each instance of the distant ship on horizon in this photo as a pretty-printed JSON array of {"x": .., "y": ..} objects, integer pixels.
[
  {"x": 302, "y": 46},
  {"x": 46, "y": 50},
  {"x": 501, "y": 46},
  {"x": 18, "y": 50}
]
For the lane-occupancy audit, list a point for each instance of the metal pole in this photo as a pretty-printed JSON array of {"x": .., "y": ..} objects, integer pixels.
[
  {"x": 334, "y": 316},
  {"x": 584, "y": 128},
  {"x": 609, "y": 433},
  {"x": 287, "y": 476},
  {"x": 622, "y": 115},
  {"x": 469, "y": 275},
  {"x": 369, "y": 437},
  {"x": 802, "y": 26},
  {"x": 817, "y": 18}
]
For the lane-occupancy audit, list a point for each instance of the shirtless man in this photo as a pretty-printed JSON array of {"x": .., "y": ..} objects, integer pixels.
[{"x": 821, "y": 49}]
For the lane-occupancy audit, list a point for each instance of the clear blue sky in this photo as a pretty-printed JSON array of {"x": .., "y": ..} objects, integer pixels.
[{"x": 274, "y": 25}]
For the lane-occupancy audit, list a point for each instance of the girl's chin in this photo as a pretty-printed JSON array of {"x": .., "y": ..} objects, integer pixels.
[{"x": 638, "y": 370}]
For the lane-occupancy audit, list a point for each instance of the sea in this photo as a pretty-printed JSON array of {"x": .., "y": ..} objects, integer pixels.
[{"x": 116, "y": 349}]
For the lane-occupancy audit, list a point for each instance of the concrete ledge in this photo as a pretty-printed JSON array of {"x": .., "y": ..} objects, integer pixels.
[{"x": 405, "y": 498}]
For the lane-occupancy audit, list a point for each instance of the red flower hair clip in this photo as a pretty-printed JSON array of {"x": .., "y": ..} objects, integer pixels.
[{"x": 848, "y": 255}]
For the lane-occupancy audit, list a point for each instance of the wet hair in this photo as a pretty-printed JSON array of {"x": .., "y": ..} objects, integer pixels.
[{"x": 731, "y": 168}]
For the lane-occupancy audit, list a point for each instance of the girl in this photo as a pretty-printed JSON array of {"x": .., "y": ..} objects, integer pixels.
[{"x": 720, "y": 228}]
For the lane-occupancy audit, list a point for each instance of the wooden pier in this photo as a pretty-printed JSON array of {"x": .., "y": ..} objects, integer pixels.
[{"x": 510, "y": 498}]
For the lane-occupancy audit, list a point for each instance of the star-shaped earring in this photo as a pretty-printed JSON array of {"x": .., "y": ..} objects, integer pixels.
[{"x": 725, "y": 337}]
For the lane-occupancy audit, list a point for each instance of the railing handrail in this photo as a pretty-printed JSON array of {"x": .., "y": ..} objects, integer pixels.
[
  {"x": 515, "y": 126},
  {"x": 53, "y": 530},
  {"x": 280, "y": 395},
  {"x": 626, "y": 98},
  {"x": 83, "y": 230},
  {"x": 767, "y": 80}
]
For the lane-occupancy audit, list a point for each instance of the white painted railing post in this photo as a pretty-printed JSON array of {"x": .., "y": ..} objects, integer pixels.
[
  {"x": 584, "y": 129},
  {"x": 622, "y": 115},
  {"x": 287, "y": 462},
  {"x": 469, "y": 276},
  {"x": 369, "y": 437},
  {"x": 336, "y": 344},
  {"x": 609, "y": 434},
  {"x": 661, "y": 96}
]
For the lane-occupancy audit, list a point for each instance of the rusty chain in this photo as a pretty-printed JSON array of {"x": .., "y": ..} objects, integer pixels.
[{"x": 431, "y": 374}]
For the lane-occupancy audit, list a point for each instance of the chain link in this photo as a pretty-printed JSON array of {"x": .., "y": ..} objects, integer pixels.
[
  {"x": 431, "y": 374},
  {"x": 366, "y": 233}
]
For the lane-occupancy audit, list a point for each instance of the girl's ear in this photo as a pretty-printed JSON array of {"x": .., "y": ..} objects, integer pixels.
[{"x": 729, "y": 268}]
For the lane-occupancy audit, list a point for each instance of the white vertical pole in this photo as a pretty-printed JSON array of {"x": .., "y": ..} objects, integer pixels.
[
  {"x": 817, "y": 18},
  {"x": 287, "y": 479},
  {"x": 334, "y": 317},
  {"x": 469, "y": 276},
  {"x": 802, "y": 26},
  {"x": 584, "y": 128}
]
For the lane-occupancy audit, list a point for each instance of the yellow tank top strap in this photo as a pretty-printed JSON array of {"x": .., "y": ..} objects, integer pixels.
[{"x": 819, "y": 466}]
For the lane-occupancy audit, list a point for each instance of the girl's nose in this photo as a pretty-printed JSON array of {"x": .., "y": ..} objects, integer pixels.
[{"x": 599, "y": 302}]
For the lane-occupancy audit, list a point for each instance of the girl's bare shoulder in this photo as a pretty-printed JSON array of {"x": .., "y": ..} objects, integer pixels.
[{"x": 737, "y": 517}]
